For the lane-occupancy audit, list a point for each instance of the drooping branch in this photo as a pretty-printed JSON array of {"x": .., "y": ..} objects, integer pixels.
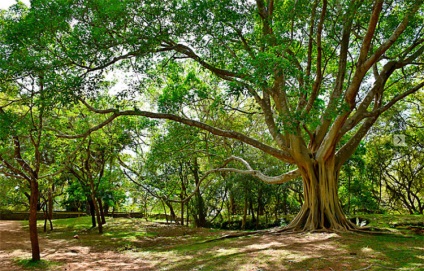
[
  {"x": 283, "y": 178},
  {"x": 250, "y": 171},
  {"x": 280, "y": 154}
]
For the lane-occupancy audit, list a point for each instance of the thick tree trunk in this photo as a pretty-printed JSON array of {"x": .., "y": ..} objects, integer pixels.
[
  {"x": 321, "y": 209},
  {"x": 35, "y": 248}
]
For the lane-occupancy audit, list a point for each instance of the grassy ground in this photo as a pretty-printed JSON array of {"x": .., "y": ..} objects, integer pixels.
[{"x": 171, "y": 247}]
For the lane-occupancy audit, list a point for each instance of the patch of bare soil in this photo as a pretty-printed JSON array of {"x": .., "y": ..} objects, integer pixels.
[
  {"x": 177, "y": 248},
  {"x": 15, "y": 244}
]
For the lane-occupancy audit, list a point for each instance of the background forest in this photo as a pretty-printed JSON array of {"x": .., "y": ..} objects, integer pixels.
[
  {"x": 154, "y": 167},
  {"x": 80, "y": 80},
  {"x": 233, "y": 114}
]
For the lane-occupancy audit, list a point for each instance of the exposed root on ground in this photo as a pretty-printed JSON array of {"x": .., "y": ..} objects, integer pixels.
[
  {"x": 291, "y": 230},
  {"x": 379, "y": 265}
]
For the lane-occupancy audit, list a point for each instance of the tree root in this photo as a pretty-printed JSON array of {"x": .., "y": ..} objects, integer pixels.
[
  {"x": 379, "y": 265},
  {"x": 373, "y": 231},
  {"x": 293, "y": 230},
  {"x": 235, "y": 235},
  {"x": 366, "y": 268},
  {"x": 272, "y": 231}
]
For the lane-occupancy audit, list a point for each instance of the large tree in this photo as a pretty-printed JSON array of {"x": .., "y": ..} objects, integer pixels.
[{"x": 320, "y": 73}]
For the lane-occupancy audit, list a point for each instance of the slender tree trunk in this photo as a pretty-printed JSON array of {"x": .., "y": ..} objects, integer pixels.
[
  {"x": 164, "y": 209},
  {"x": 92, "y": 212},
  {"x": 182, "y": 211},
  {"x": 101, "y": 210},
  {"x": 200, "y": 205},
  {"x": 50, "y": 203},
  {"x": 96, "y": 210},
  {"x": 285, "y": 203},
  {"x": 50, "y": 207},
  {"x": 35, "y": 248},
  {"x": 321, "y": 209},
  {"x": 187, "y": 215},
  {"x": 232, "y": 204},
  {"x": 252, "y": 211},
  {"x": 243, "y": 222},
  {"x": 47, "y": 216},
  {"x": 106, "y": 208},
  {"x": 183, "y": 192},
  {"x": 277, "y": 205},
  {"x": 348, "y": 190},
  {"x": 260, "y": 209},
  {"x": 172, "y": 212}
]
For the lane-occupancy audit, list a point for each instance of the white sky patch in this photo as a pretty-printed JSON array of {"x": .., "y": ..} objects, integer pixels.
[
  {"x": 119, "y": 79},
  {"x": 5, "y": 4}
]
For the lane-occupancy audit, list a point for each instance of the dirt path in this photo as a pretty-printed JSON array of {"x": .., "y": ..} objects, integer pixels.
[{"x": 15, "y": 244}]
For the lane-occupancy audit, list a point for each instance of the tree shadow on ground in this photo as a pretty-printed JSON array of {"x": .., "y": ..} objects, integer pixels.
[{"x": 317, "y": 251}]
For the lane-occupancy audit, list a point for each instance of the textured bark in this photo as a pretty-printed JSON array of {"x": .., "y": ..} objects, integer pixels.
[{"x": 321, "y": 209}]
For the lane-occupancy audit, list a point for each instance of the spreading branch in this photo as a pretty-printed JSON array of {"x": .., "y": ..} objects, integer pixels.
[{"x": 115, "y": 113}]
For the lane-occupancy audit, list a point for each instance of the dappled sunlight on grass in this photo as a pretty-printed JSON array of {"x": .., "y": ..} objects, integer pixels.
[
  {"x": 248, "y": 253},
  {"x": 134, "y": 244}
]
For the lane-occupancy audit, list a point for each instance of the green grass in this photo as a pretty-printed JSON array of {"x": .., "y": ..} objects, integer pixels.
[
  {"x": 394, "y": 250},
  {"x": 390, "y": 221},
  {"x": 171, "y": 247},
  {"x": 29, "y": 264},
  {"x": 122, "y": 234}
]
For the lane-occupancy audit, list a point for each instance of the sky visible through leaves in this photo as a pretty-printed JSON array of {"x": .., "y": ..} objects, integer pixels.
[{"x": 5, "y": 4}]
